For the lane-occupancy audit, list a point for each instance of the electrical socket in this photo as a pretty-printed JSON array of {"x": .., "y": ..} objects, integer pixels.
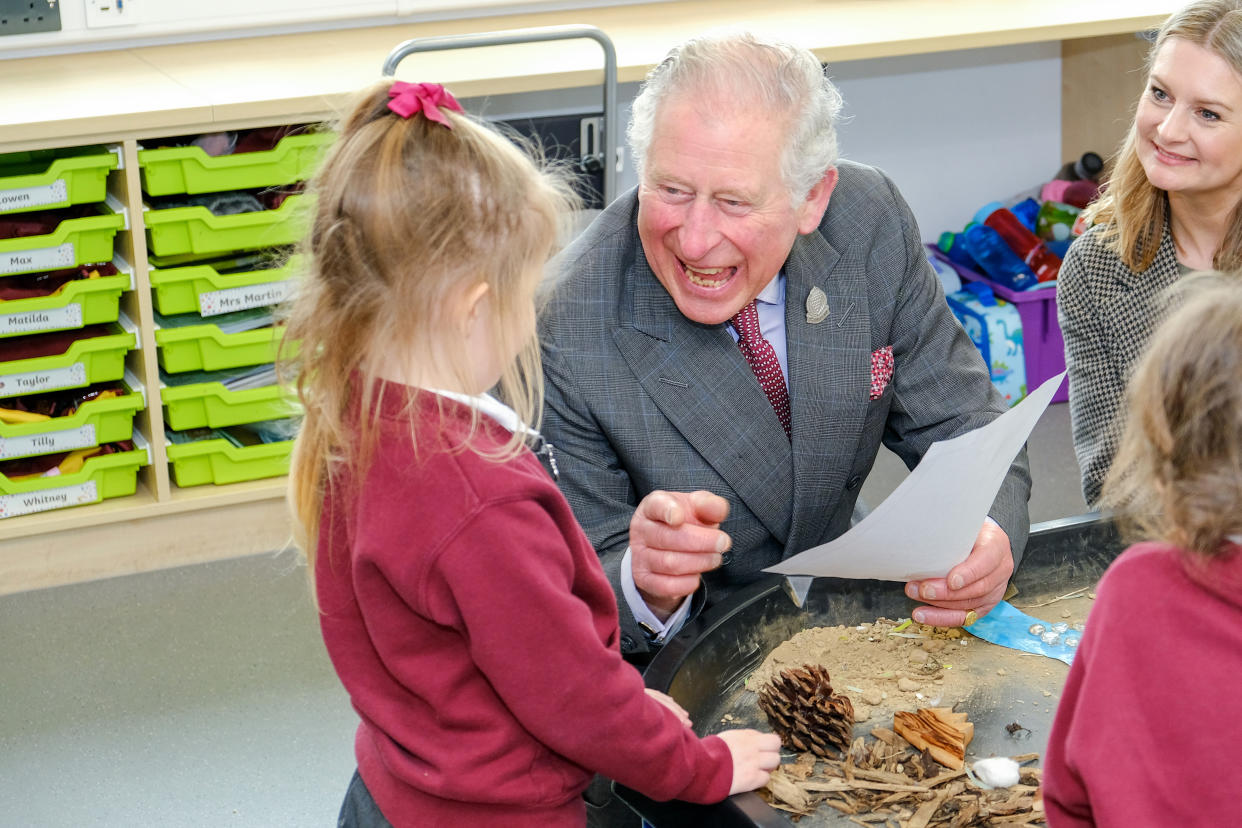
[
  {"x": 29, "y": 16},
  {"x": 102, "y": 13}
]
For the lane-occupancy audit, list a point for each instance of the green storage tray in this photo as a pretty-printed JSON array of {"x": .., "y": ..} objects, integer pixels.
[
  {"x": 219, "y": 461},
  {"x": 49, "y": 179},
  {"x": 74, "y": 242},
  {"x": 211, "y": 405},
  {"x": 206, "y": 348},
  {"x": 171, "y": 170},
  {"x": 81, "y": 302},
  {"x": 95, "y": 422},
  {"x": 204, "y": 290},
  {"x": 87, "y": 361},
  {"x": 178, "y": 230},
  {"x": 106, "y": 476}
]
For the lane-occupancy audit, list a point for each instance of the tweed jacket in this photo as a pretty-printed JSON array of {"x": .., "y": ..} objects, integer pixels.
[
  {"x": 640, "y": 398},
  {"x": 1107, "y": 314}
]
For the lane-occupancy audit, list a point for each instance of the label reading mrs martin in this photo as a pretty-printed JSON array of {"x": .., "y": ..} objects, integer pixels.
[
  {"x": 44, "y": 258},
  {"x": 27, "y": 503},
  {"x": 23, "y": 197},
  {"x": 53, "y": 319},
  {"x": 53, "y": 441},
  {"x": 227, "y": 300},
  {"x": 70, "y": 376}
]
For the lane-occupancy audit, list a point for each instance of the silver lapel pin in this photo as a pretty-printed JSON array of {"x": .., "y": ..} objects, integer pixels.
[{"x": 816, "y": 306}]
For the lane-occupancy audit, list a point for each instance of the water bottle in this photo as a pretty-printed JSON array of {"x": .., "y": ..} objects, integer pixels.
[
  {"x": 1087, "y": 168},
  {"x": 997, "y": 259},
  {"x": 1026, "y": 244},
  {"x": 1055, "y": 221}
]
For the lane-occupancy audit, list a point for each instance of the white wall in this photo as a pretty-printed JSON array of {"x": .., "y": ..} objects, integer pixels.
[{"x": 954, "y": 130}]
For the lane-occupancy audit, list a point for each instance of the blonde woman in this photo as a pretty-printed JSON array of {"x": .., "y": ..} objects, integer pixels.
[{"x": 1171, "y": 206}]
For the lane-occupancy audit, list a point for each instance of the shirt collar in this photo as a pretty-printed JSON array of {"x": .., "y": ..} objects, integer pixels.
[
  {"x": 492, "y": 407},
  {"x": 774, "y": 292}
]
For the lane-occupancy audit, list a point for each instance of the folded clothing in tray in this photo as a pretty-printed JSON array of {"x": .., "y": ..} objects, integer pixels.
[
  {"x": 235, "y": 322},
  {"x": 249, "y": 434},
  {"x": 233, "y": 379},
  {"x": 31, "y": 285},
  {"x": 47, "y": 344},
  {"x": 41, "y": 222},
  {"x": 231, "y": 202},
  {"x": 36, "y": 408},
  {"x": 260, "y": 139},
  {"x": 53, "y": 465}
]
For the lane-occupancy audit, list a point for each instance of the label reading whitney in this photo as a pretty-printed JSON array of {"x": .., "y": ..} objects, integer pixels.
[
  {"x": 71, "y": 376},
  {"x": 53, "y": 441},
  {"x": 216, "y": 302},
  {"x": 27, "y": 503},
  {"x": 54, "y": 319},
  {"x": 43, "y": 258},
  {"x": 41, "y": 196}
]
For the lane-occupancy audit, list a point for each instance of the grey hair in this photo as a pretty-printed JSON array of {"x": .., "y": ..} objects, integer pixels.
[{"x": 783, "y": 78}]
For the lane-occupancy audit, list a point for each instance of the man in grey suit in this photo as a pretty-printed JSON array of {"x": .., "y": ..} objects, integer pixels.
[{"x": 671, "y": 452}]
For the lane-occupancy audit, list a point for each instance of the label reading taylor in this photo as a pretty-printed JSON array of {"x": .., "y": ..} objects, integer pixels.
[
  {"x": 71, "y": 376},
  {"x": 43, "y": 258},
  {"x": 216, "y": 302},
  {"x": 41, "y": 196},
  {"x": 67, "y": 440},
  {"x": 45, "y": 499},
  {"x": 54, "y": 319}
]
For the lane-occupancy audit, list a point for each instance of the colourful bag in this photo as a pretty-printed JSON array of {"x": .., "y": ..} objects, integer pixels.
[{"x": 996, "y": 329}]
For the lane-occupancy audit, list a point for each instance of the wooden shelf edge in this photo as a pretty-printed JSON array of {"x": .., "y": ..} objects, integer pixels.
[{"x": 140, "y": 506}]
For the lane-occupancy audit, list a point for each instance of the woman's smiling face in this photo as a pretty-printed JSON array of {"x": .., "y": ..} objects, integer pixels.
[{"x": 1189, "y": 123}]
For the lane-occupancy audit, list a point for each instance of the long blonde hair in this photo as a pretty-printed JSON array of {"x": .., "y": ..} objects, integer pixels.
[
  {"x": 1134, "y": 209},
  {"x": 1177, "y": 476},
  {"x": 408, "y": 214}
]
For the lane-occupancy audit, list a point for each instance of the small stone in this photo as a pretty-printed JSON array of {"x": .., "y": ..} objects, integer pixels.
[
  {"x": 1065, "y": 613},
  {"x": 862, "y": 713},
  {"x": 872, "y": 696},
  {"x": 905, "y": 685},
  {"x": 933, "y": 645},
  {"x": 918, "y": 656},
  {"x": 1046, "y": 693},
  {"x": 1001, "y": 671}
]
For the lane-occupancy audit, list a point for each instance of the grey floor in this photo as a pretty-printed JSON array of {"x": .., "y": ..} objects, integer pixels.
[{"x": 202, "y": 696}]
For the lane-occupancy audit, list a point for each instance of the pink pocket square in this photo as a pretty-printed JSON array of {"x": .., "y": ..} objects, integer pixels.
[{"x": 881, "y": 370}]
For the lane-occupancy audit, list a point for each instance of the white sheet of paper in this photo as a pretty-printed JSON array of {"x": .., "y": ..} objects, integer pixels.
[{"x": 929, "y": 523}]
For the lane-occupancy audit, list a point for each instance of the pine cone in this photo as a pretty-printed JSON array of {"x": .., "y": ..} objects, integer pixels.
[{"x": 805, "y": 713}]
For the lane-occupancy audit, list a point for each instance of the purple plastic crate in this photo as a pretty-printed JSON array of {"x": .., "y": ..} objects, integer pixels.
[{"x": 1041, "y": 333}]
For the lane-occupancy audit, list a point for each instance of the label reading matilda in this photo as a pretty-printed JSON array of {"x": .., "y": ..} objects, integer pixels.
[{"x": 54, "y": 319}]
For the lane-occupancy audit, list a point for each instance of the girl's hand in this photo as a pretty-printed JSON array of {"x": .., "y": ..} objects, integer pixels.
[
  {"x": 668, "y": 702},
  {"x": 755, "y": 755}
]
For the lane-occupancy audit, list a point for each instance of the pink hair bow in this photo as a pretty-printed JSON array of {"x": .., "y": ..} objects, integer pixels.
[{"x": 407, "y": 98}]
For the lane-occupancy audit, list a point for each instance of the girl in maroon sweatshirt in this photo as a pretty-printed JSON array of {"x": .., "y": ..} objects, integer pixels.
[
  {"x": 1149, "y": 724},
  {"x": 463, "y": 608}
]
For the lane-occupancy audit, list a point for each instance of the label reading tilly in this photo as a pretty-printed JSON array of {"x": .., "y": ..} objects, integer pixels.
[{"x": 52, "y": 441}]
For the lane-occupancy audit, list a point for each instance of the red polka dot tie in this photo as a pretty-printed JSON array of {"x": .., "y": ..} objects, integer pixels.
[{"x": 761, "y": 357}]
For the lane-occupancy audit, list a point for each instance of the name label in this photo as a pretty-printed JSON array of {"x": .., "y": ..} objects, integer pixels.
[
  {"x": 46, "y": 499},
  {"x": 41, "y": 196},
  {"x": 227, "y": 300},
  {"x": 55, "y": 319},
  {"x": 52, "y": 441},
  {"x": 71, "y": 376},
  {"x": 44, "y": 258}
]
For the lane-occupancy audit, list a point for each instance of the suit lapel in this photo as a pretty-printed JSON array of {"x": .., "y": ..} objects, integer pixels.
[
  {"x": 699, "y": 380},
  {"x": 830, "y": 375}
]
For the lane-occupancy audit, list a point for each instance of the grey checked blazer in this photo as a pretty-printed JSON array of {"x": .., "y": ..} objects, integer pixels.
[
  {"x": 641, "y": 398},
  {"x": 1107, "y": 314}
]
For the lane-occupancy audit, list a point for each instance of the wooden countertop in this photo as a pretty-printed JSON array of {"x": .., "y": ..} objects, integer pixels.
[{"x": 160, "y": 90}]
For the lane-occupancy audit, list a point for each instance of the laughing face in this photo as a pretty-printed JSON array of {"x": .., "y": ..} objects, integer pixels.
[
  {"x": 1189, "y": 123},
  {"x": 714, "y": 216}
]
